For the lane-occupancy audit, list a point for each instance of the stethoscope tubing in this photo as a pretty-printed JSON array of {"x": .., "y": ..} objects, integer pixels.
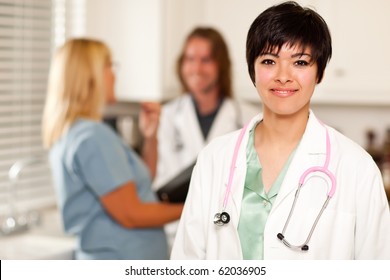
[{"x": 233, "y": 167}]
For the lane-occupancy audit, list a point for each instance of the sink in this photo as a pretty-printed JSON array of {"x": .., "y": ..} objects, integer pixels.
[
  {"x": 36, "y": 247},
  {"x": 42, "y": 242}
]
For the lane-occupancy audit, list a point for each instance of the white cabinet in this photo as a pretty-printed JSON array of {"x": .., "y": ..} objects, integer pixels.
[
  {"x": 359, "y": 70},
  {"x": 133, "y": 30}
]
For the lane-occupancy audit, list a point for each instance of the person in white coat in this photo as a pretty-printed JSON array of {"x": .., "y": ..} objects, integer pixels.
[
  {"x": 204, "y": 111},
  {"x": 286, "y": 186}
]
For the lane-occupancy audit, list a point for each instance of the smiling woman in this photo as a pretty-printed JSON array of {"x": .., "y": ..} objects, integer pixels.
[
  {"x": 286, "y": 72},
  {"x": 286, "y": 186}
]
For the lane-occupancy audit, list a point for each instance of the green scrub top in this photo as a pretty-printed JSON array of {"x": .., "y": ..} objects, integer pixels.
[{"x": 256, "y": 203}]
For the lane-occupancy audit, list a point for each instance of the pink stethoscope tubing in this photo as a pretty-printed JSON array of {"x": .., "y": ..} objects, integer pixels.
[
  {"x": 223, "y": 217},
  {"x": 233, "y": 165},
  {"x": 323, "y": 169}
]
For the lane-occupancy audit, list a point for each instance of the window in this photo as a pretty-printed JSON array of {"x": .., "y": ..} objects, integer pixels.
[
  {"x": 27, "y": 38},
  {"x": 25, "y": 50}
]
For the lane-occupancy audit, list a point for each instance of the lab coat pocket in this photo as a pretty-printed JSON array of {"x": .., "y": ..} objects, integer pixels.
[
  {"x": 333, "y": 237},
  {"x": 225, "y": 243}
]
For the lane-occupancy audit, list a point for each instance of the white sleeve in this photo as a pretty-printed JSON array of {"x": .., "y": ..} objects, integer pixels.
[
  {"x": 372, "y": 240},
  {"x": 167, "y": 153},
  {"x": 190, "y": 241}
]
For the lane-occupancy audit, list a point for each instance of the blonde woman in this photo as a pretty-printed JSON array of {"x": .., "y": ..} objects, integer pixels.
[{"x": 103, "y": 187}]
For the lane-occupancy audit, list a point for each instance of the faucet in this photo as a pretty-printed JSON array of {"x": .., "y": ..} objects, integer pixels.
[{"x": 16, "y": 222}]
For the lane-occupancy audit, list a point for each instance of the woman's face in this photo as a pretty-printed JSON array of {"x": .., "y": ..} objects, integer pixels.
[
  {"x": 286, "y": 80},
  {"x": 199, "y": 69},
  {"x": 109, "y": 76}
]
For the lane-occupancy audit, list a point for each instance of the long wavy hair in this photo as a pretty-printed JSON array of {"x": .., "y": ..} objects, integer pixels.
[{"x": 219, "y": 52}]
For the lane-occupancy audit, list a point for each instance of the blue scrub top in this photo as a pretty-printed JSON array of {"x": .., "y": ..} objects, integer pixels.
[{"x": 90, "y": 161}]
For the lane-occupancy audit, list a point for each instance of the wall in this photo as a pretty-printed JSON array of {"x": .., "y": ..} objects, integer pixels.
[{"x": 354, "y": 121}]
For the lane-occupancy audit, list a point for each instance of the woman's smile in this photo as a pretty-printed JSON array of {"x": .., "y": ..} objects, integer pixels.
[{"x": 283, "y": 92}]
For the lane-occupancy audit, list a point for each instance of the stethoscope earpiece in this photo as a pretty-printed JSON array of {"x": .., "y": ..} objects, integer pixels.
[
  {"x": 305, "y": 248},
  {"x": 221, "y": 219}
]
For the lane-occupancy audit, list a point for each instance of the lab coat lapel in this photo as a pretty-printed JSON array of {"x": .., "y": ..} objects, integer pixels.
[
  {"x": 225, "y": 121},
  {"x": 310, "y": 152},
  {"x": 188, "y": 126}
]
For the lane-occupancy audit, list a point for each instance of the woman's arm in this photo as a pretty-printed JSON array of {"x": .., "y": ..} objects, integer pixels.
[
  {"x": 149, "y": 155},
  {"x": 148, "y": 123},
  {"x": 125, "y": 207}
]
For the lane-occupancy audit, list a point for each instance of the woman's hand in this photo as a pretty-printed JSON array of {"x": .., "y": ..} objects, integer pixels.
[{"x": 149, "y": 119}]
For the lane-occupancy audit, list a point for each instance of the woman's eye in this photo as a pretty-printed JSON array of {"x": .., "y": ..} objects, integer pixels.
[
  {"x": 267, "y": 62},
  {"x": 301, "y": 63},
  {"x": 207, "y": 60}
]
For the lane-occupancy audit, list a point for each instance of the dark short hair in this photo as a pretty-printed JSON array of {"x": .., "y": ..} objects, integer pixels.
[
  {"x": 219, "y": 52},
  {"x": 293, "y": 24}
]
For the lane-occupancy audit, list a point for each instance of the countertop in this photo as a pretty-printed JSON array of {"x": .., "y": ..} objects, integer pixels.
[{"x": 45, "y": 241}]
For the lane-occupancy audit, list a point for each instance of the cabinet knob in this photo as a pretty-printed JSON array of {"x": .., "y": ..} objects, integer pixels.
[{"x": 339, "y": 72}]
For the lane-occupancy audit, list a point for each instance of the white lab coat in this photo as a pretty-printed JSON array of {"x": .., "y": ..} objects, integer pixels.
[
  {"x": 179, "y": 125},
  {"x": 355, "y": 224}
]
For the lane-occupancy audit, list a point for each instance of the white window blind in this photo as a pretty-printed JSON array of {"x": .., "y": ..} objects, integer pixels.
[{"x": 26, "y": 40}]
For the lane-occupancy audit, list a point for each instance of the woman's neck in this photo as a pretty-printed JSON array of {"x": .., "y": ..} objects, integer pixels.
[
  {"x": 207, "y": 103},
  {"x": 282, "y": 130}
]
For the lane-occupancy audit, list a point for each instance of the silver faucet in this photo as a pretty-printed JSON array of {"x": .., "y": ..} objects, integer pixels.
[{"x": 16, "y": 222}]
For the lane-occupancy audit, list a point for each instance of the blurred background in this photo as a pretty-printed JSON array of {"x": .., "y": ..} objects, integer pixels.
[{"x": 146, "y": 37}]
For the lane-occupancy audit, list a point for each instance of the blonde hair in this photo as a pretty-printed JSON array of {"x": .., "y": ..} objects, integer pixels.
[{"x": 75, "y": 87}]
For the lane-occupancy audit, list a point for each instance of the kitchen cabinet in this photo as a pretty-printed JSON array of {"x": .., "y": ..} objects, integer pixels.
[
  {"x": 145, "y": 38},
  {"x": 360, "y": 66},
  {"x": 132, "y": 29}
]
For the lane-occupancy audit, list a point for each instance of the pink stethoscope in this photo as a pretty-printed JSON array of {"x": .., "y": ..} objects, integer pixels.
[{"x": 223, "y": 218}]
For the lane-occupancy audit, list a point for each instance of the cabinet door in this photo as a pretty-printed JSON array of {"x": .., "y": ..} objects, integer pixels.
[
  {"x": 360, "y": 67},
  {"x": 132, "y": 29}
]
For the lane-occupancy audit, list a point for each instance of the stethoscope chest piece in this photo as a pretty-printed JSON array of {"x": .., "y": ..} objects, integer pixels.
[{"x": 221, "y": 219}]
